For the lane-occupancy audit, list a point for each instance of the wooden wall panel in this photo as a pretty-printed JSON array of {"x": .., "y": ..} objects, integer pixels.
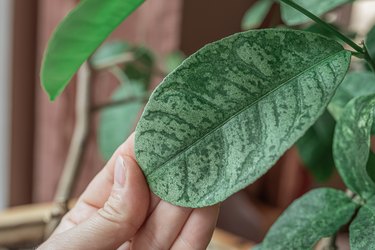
[
  {"x": 22, "y": 106},
  {"x": 155, "y": 24}
]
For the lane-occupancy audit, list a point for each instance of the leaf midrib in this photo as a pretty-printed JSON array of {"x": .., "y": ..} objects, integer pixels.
[{"x": 220, "y": 125}]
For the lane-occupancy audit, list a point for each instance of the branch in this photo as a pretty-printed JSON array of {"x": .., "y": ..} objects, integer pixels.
[
  {"x": 119, "y": 102},
  {"x": 74, "y": 159}
]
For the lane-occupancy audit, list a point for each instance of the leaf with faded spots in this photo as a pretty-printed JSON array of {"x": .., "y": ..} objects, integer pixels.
[
  {"x": 354, "y": 85},
  {"x": 117, "y": 122},
  {"x": 351, "y": 145},
  {"x": 255, "y": 16},
  {"x": 318, "y": 7},
  {"x": 362, "y": 229},
  {"x": 318, "y": 214},
  {"x": 230, "y": 111}
]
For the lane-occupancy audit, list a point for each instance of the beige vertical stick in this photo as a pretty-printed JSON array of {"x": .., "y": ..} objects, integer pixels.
[{"x": 76, "y": 150}]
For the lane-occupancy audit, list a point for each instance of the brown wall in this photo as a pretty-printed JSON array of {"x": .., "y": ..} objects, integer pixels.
[{"x": 23, "y": 86}]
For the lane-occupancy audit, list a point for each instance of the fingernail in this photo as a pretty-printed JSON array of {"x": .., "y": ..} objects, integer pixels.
[{"x": 120, "y": 172}]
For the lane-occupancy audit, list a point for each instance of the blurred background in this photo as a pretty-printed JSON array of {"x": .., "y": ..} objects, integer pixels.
[{"x": 35, "y": 134}]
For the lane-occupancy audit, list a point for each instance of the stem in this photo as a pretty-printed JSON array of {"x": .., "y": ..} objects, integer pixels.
[
  {"x": 328, "y": 243},
  {"x": 119, "y": 102},
  {"x": 76, "y": 149},
  {"x": 325, "y": 25}
]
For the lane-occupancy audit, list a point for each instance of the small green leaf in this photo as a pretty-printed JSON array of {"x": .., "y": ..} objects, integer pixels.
[
  {"x": 351, "y": 144},
  {"x": 78, "y": 36},
  {"x": 141, "y": 69},
  {"x": 224, "y": 117},
  {"x": 362, "y": 229},
  {"x": 173, "y": 60},
  {"x": 318, "y": 7},
  {"x": 108, "y": 53},
  {"x": 255, "y": 16},
  {"x": 117, "y": 122},
  {"x": 319, "y": 213},
  {"x": 370, "y": 43},
  {"x": 354, "y": 85},
  {"x": 315, "y": 147}
]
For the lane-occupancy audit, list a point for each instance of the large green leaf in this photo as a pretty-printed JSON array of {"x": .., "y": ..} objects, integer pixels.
[
  {"x": 319, "y": 213},
  {"x": 318, "y": 7},
  {"x": 224, "y": 117},
  {"x": 351, "y": 145},
  {"x": 354, "y": 85},
  {"x": 78, "y": 36},
  {"x": 370, "y": 43},
  {"x": 117, "y": 122},
  {"x": 254, "y": 17},
  {"x": 362, "y": 229},
  {"x": 315, "y": 147}
]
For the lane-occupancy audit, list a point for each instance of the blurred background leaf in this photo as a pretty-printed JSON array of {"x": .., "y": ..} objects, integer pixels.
[
  {"x": 117, "y": 122},
  {"x": 315, "y": 148}
]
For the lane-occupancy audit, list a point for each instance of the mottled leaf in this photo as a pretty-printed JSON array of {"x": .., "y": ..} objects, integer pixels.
[
  {"x": 351, "y": 144},
  {"x": 109, "y": 52},
  {"x": 354, "y": 85},
  {"x": 78, "y": 36},
  {"x": 315, "y": 147},
  {"x": 318, "y": 7},
  {"x": 255, "y": 16},
  {"x": 370, "y": 43},
  {"x": 225, "y": 116},
  {"x": 117, "y": 122},
  {"x": 319, "y": 213},
  {"x": 362, "y": 229}
]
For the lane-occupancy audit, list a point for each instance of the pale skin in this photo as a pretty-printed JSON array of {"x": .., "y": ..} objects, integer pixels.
[{"x": 117, "y": 211}]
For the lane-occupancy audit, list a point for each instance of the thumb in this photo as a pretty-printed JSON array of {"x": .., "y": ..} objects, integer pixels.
[{"x": 122, "y": 214}]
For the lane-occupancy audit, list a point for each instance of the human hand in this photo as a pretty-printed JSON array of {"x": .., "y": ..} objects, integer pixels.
[{"x": 117, "y": 211}]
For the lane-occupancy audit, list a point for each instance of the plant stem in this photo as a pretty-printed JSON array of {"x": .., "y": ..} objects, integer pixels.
[
  {"x": 74, "y": 158},
  {"x": 328, "y": 243},
  {"x": 119, "y": 102},
  {"x": 324, "y": 24}
]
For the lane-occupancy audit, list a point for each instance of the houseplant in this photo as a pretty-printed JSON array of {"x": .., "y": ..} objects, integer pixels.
[{"x": 221, "y": 119}]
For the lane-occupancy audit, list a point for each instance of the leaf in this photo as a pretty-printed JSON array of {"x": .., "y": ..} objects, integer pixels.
[
  {"x": 255, "y": 16},
  {"x": 362, "y": 229},
  {"x": 117, "y": 122},
  {"x": 224, "y": 117},
  {"x": 318, "y": 7},
  {"x": 315, "y": 147},
  {"x": 141, "y": 69},
  {"x": 370, "y": 43},
  {"x": 354, "y": 85},
  {"x": 173, "y": 60},
  {"x": 319, "y": 213},
  {"x": 351, "y": 144},
  {"x": 78, "y": 36},
  {"x": 108, "y": 53}
]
